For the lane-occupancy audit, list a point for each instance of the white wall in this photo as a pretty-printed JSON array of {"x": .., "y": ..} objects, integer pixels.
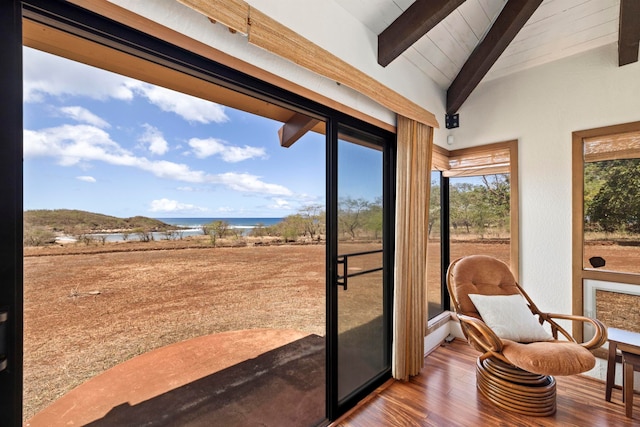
[
  {"x": 326, "y": 24},
  {"x": 541, "y": 107}
]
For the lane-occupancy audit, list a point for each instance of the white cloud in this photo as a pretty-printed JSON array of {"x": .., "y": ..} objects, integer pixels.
[
  {"x": 154, "y": 139},
  {"x": 251, "y": 183},
  {"x": 82, "y": 115},
  {"x": 86, "y": 178},
  {"x": 77, "y": 144},
  {"x": 46, "y": 74},
  {"x": 188, "y": 107},
  {"x": 280, "y": 204},
  {"x": 166, "y": 205},
  {"x": 204, "y": 148},
  {"x": 71, "y": 144}
]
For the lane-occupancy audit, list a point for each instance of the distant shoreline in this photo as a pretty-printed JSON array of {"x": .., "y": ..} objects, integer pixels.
[
  {"x": 187, "y": 227},
  {"x": 234, "y": 222},
  {"x": 201, "y": 241}
]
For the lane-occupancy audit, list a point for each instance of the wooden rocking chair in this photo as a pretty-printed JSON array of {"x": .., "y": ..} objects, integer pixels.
[{"x": 519, "y": 357}]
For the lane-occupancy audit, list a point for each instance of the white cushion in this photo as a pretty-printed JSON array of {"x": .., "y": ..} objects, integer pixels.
[{"x": 509, "y": 317}]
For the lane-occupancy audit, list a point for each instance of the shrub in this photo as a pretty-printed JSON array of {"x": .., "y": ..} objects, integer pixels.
[{"x": 38, "y": 236}]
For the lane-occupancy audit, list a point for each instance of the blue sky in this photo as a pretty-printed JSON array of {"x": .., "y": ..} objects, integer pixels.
[{"x": 105, "y": 143}]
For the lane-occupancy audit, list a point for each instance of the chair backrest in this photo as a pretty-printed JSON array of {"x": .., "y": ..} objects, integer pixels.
[{"x": 478, "y": 274}]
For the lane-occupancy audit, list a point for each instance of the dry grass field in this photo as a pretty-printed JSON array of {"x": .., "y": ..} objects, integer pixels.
[
  {"x": 89, "y": 308},
  {"x": 87, "y": 312}
]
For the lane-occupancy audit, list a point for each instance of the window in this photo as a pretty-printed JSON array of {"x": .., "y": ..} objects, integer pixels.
[
  {"x": 435, "y": 285},
  {"x": 606, "y": 224},
  {"x": 611, "y": 202},
  {"x": 473, "y": 209}
]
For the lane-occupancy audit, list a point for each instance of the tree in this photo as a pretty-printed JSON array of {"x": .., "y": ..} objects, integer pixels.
[
  {"x": 144, "y": 235},
  {"x": 461, "y": 205},
  {"x": 38, "y": 236},
  {"x": 170, "y": 234},
  {"x": 481, "y": 206},
  {"x": 311, "y": 216},
  {"x": 497, "y": 200},
  {"x": 258, "y": 231},
  {"x": 372, "y": 218},
  {"x": 291, "y": 227},
  {"x": 350, "y": 215},
  {"x": 216, "y": 229},
  {"x": 615, "y": 205},
  {"x": 434, "y": 207}
]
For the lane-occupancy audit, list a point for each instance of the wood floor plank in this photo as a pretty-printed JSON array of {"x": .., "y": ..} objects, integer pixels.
[{"x": 445, "y": 394}]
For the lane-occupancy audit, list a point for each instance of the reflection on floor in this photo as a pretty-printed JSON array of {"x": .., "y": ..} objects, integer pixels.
[{"x": 283, "y": 385}]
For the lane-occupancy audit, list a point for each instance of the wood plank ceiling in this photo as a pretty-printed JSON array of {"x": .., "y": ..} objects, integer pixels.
[{"x": 460, "y": 43}]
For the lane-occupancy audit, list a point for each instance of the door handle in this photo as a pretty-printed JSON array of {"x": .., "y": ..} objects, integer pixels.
[
  {"x": 341, "y": 280},
  {"x": 4, "y": 316}
]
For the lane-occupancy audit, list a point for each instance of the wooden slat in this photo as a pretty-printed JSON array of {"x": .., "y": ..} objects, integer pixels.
[
  {"x": 611, "y": 276},
  {"x": 491, "y": 170},
  {"x": 613, "y": 155},
  {"x": 476, "y": 17},
  {"x": 414, "y": 23},
  {"x": 514, "y": 209},
  {"x": 232, "y": 13},
  {"x": 267, "y": 33},
  {"x": 440, "y": 160},
  {"x": 445, "y": 394},
  {"x": 512, "y": 18},
  {"x": 629, "y": 32},
  {"x": 612, "y": 147},
  {"x": 536, "y": 44},
  {"x": 274, "y": 37},
  {"x": 436, "y": 65}
]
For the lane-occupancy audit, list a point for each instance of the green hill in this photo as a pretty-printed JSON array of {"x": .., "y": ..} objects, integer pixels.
[{"x": 75, "y": 222}]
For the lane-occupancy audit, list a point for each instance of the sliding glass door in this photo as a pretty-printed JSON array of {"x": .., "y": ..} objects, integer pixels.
[
  {"x": 359, "y": 203},
  {"x": 362, "y": 290}
]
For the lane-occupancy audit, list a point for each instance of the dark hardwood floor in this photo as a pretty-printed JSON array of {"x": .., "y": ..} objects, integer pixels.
[{"x": 445, "y": 394}]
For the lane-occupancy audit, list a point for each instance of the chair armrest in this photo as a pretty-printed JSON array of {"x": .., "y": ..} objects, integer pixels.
[
  {"x": 599, "y": 338},
  {"x": 480, "y": 335}
]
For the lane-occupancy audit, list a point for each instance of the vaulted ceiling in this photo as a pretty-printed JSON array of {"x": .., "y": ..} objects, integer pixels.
[{"x": 460, "y": 43}]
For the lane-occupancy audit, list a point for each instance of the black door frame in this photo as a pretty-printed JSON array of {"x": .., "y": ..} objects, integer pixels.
[
  {"x": 104, "y": 31},
  {"x": 11, "y": 211},
  {"x": 387, "y": 143}
]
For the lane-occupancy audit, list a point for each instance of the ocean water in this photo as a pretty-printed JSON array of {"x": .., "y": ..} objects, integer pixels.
[
  {"x": 192, "y": 227},
  {"x": 246, "y": 223}
]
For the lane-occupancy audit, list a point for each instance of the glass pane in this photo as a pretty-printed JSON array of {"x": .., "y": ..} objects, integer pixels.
[
  {"x": 480, "y": 216},
  {"x": 362, "y": 351},
  {"x": 434, "y": 271},
  {"x": 612, "y": 215},
  {"x": 187, "y": 230}
]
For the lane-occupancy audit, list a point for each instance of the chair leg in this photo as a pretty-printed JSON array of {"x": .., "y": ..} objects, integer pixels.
[{"x": 516, "y": 390}]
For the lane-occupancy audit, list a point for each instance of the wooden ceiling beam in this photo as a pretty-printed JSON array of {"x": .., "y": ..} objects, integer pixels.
[
  {"x": 512, "y": 18},
  {"x": 295, "y": 128},
  {"x": 409, "y": 27},
  {"x": 629, "y": 32}
]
